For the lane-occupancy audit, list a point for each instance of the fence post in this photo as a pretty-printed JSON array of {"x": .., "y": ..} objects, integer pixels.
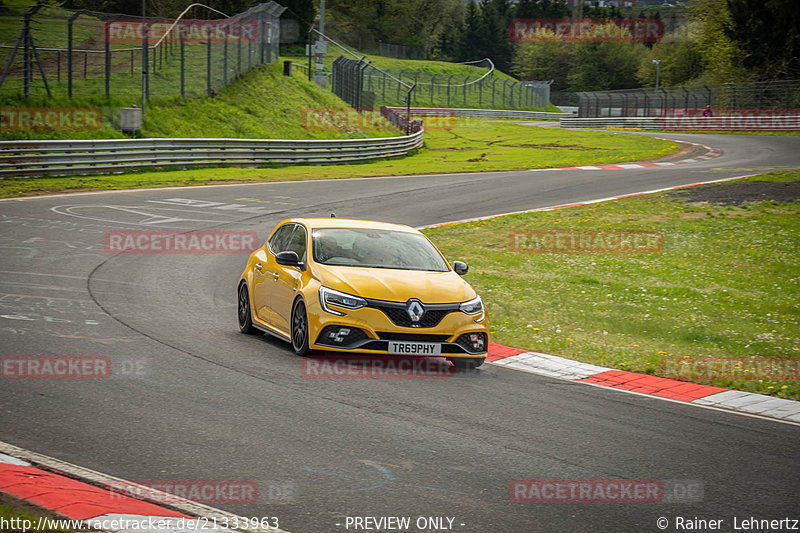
[
  {"x": 108, "y": 63},
  {"x": 183, "y": 63},
  {"x": 69, "y": 52},
  {"x": 448, "y": 90},
  {"x": 208, "y": 67},
  {"x": 145, "y": 63},
  {"x": 433, "y": 83},
  {"x": 466, "y": 80},
  {"x": 225, "y": 61}
]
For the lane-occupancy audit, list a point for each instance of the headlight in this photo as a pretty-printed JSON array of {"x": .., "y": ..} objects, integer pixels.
[
  {"x": 340, "y": 299},
  {"x": 472, "y": 307}
]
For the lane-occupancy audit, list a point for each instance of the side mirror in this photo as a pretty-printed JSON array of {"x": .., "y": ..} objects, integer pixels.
[
  {"x": 287, "y": 258},
  {"x": 460, "y": 267}
]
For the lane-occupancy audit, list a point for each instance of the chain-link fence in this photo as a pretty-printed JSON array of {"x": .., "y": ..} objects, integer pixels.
[
  {"x": 362, "y": 85},
  {"x": 725, "y": 99},
  {"x": 49, "y": 51}
]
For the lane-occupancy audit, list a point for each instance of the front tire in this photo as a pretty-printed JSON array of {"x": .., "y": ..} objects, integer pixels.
[
  {"x": 243, "y": 311},
  {"x": 300, "y": 329}
]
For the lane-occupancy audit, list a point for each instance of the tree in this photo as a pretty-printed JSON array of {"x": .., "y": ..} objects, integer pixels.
[
  {"x": 720, "y": 55},
  {"x": 543, "y": 61},
  {"x": 303, "y": 11},
  {"x": 604, "y": 66},
  {"x": 767, "y": 35}
]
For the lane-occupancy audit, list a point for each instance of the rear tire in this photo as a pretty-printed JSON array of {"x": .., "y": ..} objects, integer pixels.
[
  {"x": 467, "y": 363},
  {"x": 243, "y": 311},
  {"x": 300, "y": 329}
]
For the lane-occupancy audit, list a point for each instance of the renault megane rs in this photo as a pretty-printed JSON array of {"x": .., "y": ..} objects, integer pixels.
[{"x": 350, "y": 285}]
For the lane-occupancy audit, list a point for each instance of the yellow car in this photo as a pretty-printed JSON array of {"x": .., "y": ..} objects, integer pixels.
[{"x": 348, "y": 285}]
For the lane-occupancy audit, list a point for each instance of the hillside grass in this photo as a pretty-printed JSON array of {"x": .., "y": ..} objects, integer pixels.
[{"x": 262, "y": 104}]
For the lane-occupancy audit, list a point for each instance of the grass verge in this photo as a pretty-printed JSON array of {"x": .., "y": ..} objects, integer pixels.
[
  {"x": 473, "y": 145},
  {"x": 20, "y": 516},
  {"x": 725, "y": 284}
]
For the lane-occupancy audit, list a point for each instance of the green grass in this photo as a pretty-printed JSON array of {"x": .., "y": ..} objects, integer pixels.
[
  {"x": 474, "y": 145},
  {"x": 263, "y": 103},
  {"x": 725, "y": 284}
]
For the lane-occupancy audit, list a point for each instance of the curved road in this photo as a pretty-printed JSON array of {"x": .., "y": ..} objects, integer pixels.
[{"x": 193, "y": 399}]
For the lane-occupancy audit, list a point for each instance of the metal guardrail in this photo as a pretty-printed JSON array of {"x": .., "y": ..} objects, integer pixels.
[
  {"x": 487, "y": 113},
  {"x": 754, "y": 122},
  {"x": 75, "y": 157}
]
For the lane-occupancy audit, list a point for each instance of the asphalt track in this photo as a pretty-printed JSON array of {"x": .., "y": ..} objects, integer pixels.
[{"x": 197, "y": 400}]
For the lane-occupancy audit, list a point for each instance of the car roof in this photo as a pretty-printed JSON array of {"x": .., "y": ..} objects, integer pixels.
[{"x": 321, "y": 222}]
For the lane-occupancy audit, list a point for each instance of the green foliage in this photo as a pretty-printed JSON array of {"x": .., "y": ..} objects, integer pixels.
[
  {"x": 544, "y": 61},
  {"x": 605, "y": 65},
  {"x": 681, "y": 61},
  {"x": 767, "y": 34},
  {"x": 721, "y": 57}
]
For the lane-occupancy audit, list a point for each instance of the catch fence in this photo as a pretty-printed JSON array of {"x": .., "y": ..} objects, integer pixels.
[
  {"x": 724, "y": 99},
  {"x": 364, "y": 86},
  {"x": 55, "y": 52}
]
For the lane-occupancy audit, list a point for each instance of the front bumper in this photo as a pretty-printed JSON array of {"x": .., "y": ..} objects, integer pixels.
[{"x": 370, "y": 329}]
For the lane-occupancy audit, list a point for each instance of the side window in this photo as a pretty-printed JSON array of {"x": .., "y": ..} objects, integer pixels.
[
  {"x": 298, "y": 243},
  {"x": 280, "y": 238}
]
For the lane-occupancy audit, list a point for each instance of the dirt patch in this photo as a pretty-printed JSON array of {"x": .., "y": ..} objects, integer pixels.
[
  {"x": 551, "y": 146},
  {"x": 740, "y": 193},
  {"x": 449, "y": 149},
  {"x": 481, "y": 158}
]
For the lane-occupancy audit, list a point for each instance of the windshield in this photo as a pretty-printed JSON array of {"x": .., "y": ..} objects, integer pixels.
[{"x": 375, "y": 249}]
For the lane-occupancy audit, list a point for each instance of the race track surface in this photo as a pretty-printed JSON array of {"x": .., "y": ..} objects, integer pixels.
[{"x": 197, "y": 400}]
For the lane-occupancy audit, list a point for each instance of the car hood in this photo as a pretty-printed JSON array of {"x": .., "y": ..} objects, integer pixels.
[{"x": 396, "y": 285}]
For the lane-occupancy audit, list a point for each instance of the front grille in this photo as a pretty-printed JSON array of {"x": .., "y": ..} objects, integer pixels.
[
  {"x": 397, "y": 313},
  {"x": 413, "y": 337}
]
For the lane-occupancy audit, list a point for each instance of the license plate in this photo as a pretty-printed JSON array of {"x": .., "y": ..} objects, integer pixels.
[{"x": 414, "y": 348}]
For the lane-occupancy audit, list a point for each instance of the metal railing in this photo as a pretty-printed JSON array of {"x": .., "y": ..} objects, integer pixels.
[
  {"x": 64, "y": 157},
  {"x": 743, "y": 123},
  {"x": 485, "y": 113}
]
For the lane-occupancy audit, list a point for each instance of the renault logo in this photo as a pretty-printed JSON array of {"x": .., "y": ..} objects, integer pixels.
[{"x": 415, "y": 310}]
